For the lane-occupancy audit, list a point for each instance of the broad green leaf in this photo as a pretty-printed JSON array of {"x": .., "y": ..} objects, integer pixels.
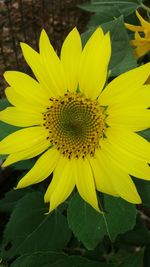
[
  {"x": 145, "y": 134},
  {"x": 11, "y": 199},
  {"x": 4, "y": 103},
  {"x": 134, "y": 260},
  {"x": 124, "y": 7},
  {"x": 147, "y": 257},
  {"x": 115, "y": 2},
  {"x": 90, "y": 226},
  {"x": 23, "y": 164},
  {"x": 53, "y": 259},
  {"x": 38, "y": 259},
  {"x": 138, "y": 236},
  {"x": 144, "y": 191},
  {"x": 122, "y": 58},
  {"x": 105, "y": 14},
  {"x": 30, "y": 230},
  {"x": 98, "y": 264}
]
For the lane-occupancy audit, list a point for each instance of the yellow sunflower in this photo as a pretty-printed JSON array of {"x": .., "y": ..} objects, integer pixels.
[
  {"x": 142, "y": 43},
  {"x": 87, "y": 136}
]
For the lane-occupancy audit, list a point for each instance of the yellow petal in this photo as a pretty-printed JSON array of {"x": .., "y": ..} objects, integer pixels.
[
  {"x": 57, "y": 175},
  {"x": 129, "y": 141},
  {"x": 52, "y": 65},
  {"x": 18, "y": 100},
  {"x": 144, "y": 23},
  {"x": 94, "y": 63},
  {"x": 85, "y": 182},
  {"x": 142, "y": 49},
  {"x": 121, "y": 181},
  {"x": 126, "y": 161},
  {"x": 124, "y": 85},
  {"x": 17, "y": 117},
  {"x": 28, "y": 153},
  {"x": 133, "y": 119},
  {"x": 41, "y": 170},
  {"x": 139, "y": 100},
  {"x": 23, "y": 139},
  {"x": 27, "y": 87},
  {"x": 102, "y": 180},
  {"x": 64, "y": 187},
  {"x": 70, "y": 58},
  {"x": 134, "y": 28},
  {"x": 34, "y": 61}
]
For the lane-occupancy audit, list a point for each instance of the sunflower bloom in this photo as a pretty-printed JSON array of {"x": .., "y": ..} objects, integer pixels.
[
  {"x": 141, "y": 43},
  {"x": 86, "y": 136}
]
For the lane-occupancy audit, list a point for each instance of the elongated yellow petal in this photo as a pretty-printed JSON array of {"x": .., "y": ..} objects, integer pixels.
[
  {"x": 144, "y": 23},
  {"x": 64, "y": 187},
  {"x": 126, "y": 161},
  {"x": 102, "y": 180},
  {"x": 28, "y": 153},
  {"x": 70, "y": 57},
  {"x": 120, "y": 180},
  {"x": 22, "y": 139},
  {"x": 27, "y": 87},
  {"x": 41, "y": 170},
  {"x": 129, "y": 141},
  {"x": 85, "y": 182},
  {"x": 134, "y": 28},
  {"x": 57, "y": 176},
  {"x": 18, "y": 100},
  {"x": 52, "y": 65},
  {"x": 142, "y": 49},
  {"x": 34, "y": 61},
  {"x": 134, "y": 119},
  {"x": 94, "y": 63},
  {"x": 124, "y": 85},
  {"x": 20, "y": 118},
  {"x": 139, "y": 100}
]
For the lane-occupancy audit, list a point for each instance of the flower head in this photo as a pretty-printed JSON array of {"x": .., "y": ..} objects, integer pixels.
[
  {"x": 141, "y": 43},
  {"x": 86, "y": 136}
]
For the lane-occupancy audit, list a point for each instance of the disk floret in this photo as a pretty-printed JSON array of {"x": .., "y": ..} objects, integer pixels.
[{"x": 75, "y": 124}]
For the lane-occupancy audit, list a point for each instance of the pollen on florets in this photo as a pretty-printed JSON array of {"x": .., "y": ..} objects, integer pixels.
[{"x": 75, "y": 124}]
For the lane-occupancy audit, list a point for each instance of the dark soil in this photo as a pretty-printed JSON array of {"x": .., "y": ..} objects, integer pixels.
[{"x": 22, "y": 20}]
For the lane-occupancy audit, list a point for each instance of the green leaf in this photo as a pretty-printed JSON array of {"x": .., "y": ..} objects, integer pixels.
[
  {"x": 116, "y": 2},
  {"x": 124, "y": 7},
  {"x": 8, "y": 203},
  {"x": 147, "y": 257},
  {"x": 30, "y": 230},
  {"x": 90, "y": 226},
  {"x": 145, "y": 134},
  {"x": 138, "y": 236},
  {"x": 98, "y": 264},
  {"x": 23, "y": 164},
  {"x": 105, "y": 14},
  {"x": 122, "y": 58},
  {"x": 134, "y": 260},
  {"x": 144, "y": 191},
  {"x": 38, "y": 259},
  {"x": 52, "y": 259},
  {"x": 4, "y": 104}
]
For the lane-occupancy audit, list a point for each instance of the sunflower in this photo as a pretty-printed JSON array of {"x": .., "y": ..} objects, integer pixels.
[
  {"x": 142, "y": 43},
  {"x": 86, "y": 136}
]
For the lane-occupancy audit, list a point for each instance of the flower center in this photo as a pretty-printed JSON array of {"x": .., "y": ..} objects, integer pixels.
[{"x": 75, "y": 124}]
